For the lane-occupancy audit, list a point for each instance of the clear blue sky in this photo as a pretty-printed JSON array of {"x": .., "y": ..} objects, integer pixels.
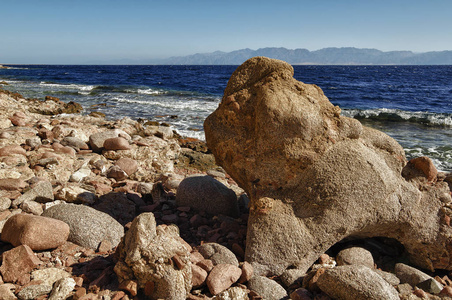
[{"x": 80, "y": 31}]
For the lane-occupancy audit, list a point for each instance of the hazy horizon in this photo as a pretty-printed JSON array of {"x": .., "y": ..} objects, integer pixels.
[{"x": 80, "y": 32}]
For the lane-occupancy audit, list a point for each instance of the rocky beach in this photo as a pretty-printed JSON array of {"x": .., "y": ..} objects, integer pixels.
[{"x": 303, "y": 204}]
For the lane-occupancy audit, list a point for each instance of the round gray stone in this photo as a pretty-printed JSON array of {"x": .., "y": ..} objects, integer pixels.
[
  {"x": 207, "y": 194},
  {"x": 355, "y": 282},
  {"x": 218, "y": 254},
  {"x": 355, "y": 256},
  {"x": 88, "y": 226},
  {"x": 266, "y": 288},
  {"x": 410, "y": 275}
]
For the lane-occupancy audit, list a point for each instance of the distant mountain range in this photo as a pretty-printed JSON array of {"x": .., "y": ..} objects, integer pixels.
[{"x": 326, "y": 56}]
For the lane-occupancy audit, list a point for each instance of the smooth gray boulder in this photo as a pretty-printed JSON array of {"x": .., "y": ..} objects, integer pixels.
[
  {"x": 218, "y": 254},
  {"x": 355, "y": 256},
  {"x": 315, "y": 177},
  {"x": 355, "y": 282},
  {"x": 389, "y": 277},
  {"x": 88, "y": 226},
  {"x": 207, "y": 194},
  {"x": 410, "y": 275},
  {"x": 266, "y": 288}
]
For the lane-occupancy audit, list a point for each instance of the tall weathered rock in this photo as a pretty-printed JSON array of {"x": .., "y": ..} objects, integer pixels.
[
  {"x": 315, "y": 177},
  {"x": 156, "y": 258}
]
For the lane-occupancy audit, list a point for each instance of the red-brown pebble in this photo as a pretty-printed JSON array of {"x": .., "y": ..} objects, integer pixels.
[
  {"x": 196, "y": 257},
  {"x": 130, "y": 286},
  {"x": 11, "y": 184},
  {"x": 199, "y": 276},
  {"x": 247, "y": 272},
  {"x": 426, "y": 165},
  {"x": 105, "y": 246},
  {"x": 301, "y": 294},
  {"x": 17, "y": 263},
  {"x": 206, "y": 264},
  {"x": 39, "y": 233},
  {"x": 222, "y": 277},
  {"x": 420, "y": 293},
  {"x": 58, "y": 148},
  {"x": 117, "y": 143},
  {"x": 446, "y": 291},
  {"x": 12, "y": 149},
  {"x": 324, "y": 258},
  {"x": 128, "y": 165},
  {"x": 79, "y": 293}
]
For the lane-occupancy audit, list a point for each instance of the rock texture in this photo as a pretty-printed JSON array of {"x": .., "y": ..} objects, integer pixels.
[
  {"x": 267, "y": 288},
  {"x": 154, "y": 255},
  {"x": 410, "y": 275},
  {"x": 355, "y": 256},
  {"x": 315, "y": 177},
  {"x": 355, "y": 282},
  {"x": 218, "y": 254},
  {"x": 17, "y": 262},
  {"x": 88, "y": 227},
  {"x": 208, "y": 194},
  {"x": 222, "y": 277},
  {"x": 39, "y": 233}
]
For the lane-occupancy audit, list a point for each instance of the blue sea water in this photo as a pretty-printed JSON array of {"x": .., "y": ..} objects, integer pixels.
[{"x": 413, "y": 104}]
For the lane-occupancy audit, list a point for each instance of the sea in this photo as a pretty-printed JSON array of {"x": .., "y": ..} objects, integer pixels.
[{"x": 412, "y": 104}]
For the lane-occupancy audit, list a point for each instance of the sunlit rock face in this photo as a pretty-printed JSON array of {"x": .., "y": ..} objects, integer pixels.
[{"x": 315, "y": 177}]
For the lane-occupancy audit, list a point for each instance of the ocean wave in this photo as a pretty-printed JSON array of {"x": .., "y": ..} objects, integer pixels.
[
  {"x": 397, "y": 115},
  {"x": 440, "y": 155},
  {"x": 149, "y": 91},
  {"x": 172, "y": 103},
  {"x": 17, "y": 68},
  {"x": 83, "y": 88}
]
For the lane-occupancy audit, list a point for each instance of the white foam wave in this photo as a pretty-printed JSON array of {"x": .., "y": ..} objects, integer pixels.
[
  {"x": 176, "y": 104},
  {"x": 146, "y": 91},
  {"x": 441, "y": 157},
  {"x": 83, "y": 88},
  {"x": 11, "y": 81},
  {"x": 193, "y": 134},
  {"x": 151, "y": 92},
  {"x": 17, "y": 68},
  {"x": 429, "y": 118}
]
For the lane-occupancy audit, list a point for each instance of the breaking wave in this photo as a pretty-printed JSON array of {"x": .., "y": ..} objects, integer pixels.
[{"x": 397, "y": 115}]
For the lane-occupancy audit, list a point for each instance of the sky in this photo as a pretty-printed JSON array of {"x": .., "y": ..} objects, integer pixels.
[{"x": 96, "y": 31}]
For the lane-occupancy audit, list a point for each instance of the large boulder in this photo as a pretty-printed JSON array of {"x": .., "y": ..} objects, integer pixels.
[
  {"x": 207, "y": 194},
  {"x": 156, "y": 258},
  {"x": 39, "y": 233},
  {"x": 88, "y": 226},
  {"x": 315, "y": 177},
  {"x": 355, "y": 282}
]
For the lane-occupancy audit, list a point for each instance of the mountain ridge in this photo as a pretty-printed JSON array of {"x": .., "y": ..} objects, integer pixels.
[{"x": 325, "y": 56}]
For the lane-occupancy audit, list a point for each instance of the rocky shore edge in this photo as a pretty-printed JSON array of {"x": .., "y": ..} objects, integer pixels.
[{"x": 124, "y": 209}]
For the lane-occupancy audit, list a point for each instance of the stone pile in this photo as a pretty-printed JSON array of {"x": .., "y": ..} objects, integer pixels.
[{"x": 98, "y": 209}]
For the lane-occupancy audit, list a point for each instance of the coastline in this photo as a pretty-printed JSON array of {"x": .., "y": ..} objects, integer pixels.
[
  {"x": 51, "y": 154},
  {"x": 401, "y": 101}
]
